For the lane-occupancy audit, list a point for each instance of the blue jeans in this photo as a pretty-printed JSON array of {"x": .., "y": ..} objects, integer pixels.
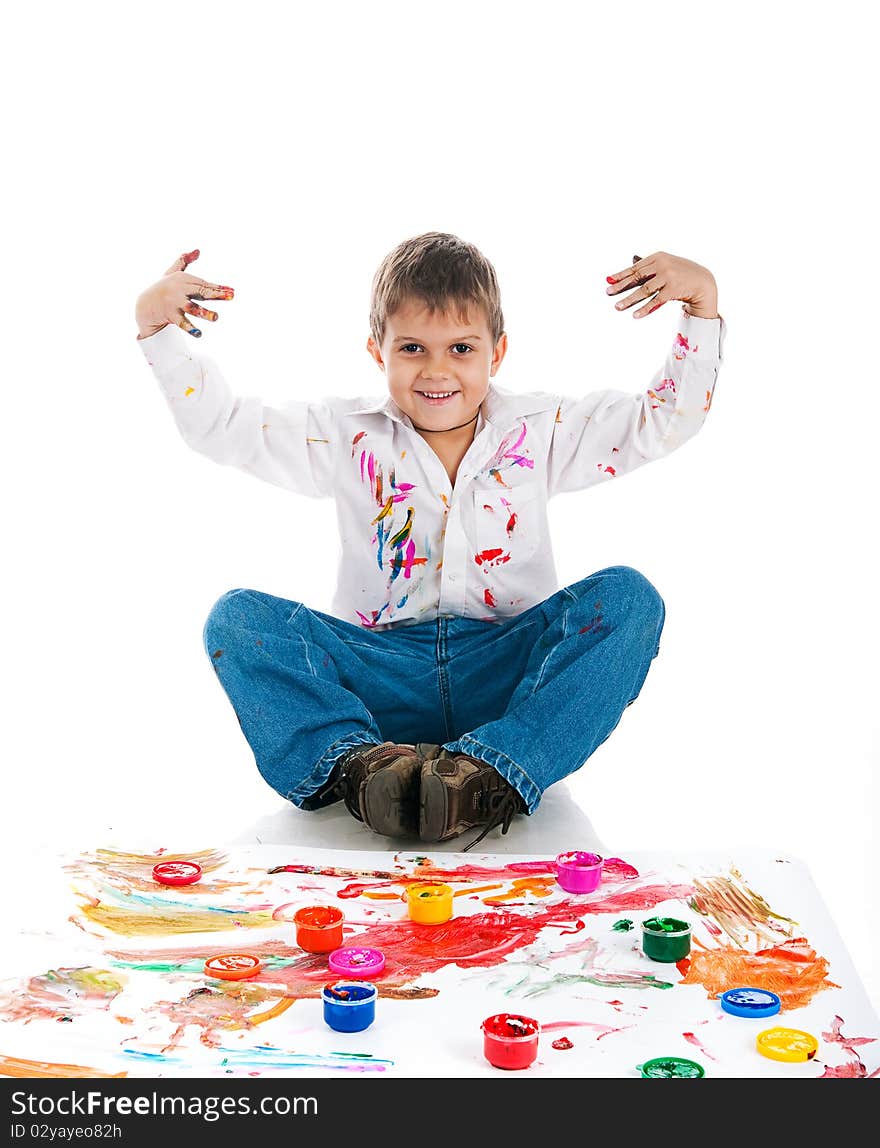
[{"x": 533, "y": 695}]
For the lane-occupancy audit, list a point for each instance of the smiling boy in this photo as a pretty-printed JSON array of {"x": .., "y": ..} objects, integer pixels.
[{"x": 453, "y": 681}]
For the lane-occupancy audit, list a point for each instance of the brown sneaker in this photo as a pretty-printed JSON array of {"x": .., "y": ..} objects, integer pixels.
[
  {"x": 459, "y": 792},
  {"x": 380, "y": 786}
]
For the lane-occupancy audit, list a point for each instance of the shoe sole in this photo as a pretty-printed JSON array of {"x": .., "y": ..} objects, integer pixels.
[
  {"x": 433, "y": 809},
  {"x": 390, "y": 805}
]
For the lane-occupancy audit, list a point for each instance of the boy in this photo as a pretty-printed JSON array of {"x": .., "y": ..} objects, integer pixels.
[{"x": 453, "y": 682}]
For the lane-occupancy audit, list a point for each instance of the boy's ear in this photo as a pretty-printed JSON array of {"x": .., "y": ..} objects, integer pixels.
[{"x": 375, "y": 351}]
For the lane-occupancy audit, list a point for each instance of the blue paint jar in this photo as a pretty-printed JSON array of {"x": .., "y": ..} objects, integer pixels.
[{"x": 349, "y": 1006}]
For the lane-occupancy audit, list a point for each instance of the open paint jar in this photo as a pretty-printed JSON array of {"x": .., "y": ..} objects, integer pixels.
[
  {"x": 318, "y": 928},
  {"x": 579, "y": 872},
  {"x": 666, "y": 939},
  {"x": 361, "y": 964},
  {"x": 790, "y": 1044},
  {"x": 177, "y": 872},
  {"x": 510, "y": 1041},
  {"x": 349, "y": 1006},
  {"x": 233, "y": 966},
  {"x": 750, "y": 1002},
  {"x": 429, "y": 904},
  {"x": 671, "y": 1068}
]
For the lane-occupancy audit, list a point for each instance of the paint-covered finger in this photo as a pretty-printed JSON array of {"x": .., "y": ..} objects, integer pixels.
[
  {"x": 629, "y": 277},
  {"x": 205, "y": 290},
  {"x": 201, "y": 312},
  {"x": 658, "y": 301},
  {"x": 183, "y": 261},
  {"x": 188, "y": 327}
]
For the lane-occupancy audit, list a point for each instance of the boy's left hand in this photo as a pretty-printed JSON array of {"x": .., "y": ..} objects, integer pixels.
[{"x": 666, "y": 277}]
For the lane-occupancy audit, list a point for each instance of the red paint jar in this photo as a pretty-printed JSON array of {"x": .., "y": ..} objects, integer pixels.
[
  {"x": 509, "y": 1040},
  {"x": 318, "y": 928}
]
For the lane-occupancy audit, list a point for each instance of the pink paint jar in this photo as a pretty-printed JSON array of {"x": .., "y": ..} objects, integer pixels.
[
  {"x": 509, "y": 1040},
  {"x": 360, "y": 963},
  {"x": 318, "y": 928},
  {"x": 579, "y": 872}
]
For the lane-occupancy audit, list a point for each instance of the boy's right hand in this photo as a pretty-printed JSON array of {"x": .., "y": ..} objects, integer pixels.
[{"x": 168, "y": 300}]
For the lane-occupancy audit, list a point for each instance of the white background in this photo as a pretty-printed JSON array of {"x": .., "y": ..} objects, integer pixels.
[{"x": 295, "y": 146}]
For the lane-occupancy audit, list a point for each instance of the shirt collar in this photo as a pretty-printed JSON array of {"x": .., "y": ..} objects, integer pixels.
[{"x": 499, "y": 408}]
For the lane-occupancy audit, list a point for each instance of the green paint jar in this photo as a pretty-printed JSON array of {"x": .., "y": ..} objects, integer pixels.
[
  {"x": 671, "y": 1068},
  {"x": 666, "y": 939}
]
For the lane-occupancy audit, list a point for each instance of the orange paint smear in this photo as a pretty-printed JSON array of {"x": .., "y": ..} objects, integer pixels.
[
  {"x": 792, "y": 970},
  {"x": 270, "y": 1014},
  {"x": 13, "y": 1066},
  {"x": 538, "y": 886}
]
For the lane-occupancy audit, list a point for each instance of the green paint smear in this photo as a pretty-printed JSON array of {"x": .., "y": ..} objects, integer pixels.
[
  {"x": 606, "y": 980},
  {"x": 622, "y": 926},
  {"x": 195, "y": 966}
]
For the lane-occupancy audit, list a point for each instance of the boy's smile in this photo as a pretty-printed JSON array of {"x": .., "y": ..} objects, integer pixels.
[{"x": 437, "y": 368}]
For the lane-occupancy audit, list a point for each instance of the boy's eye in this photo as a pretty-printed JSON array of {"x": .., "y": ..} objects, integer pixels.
[{"x": 466, "y": 347}]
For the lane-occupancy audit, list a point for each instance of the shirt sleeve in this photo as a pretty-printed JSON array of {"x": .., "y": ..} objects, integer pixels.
[
  {"x": 290, "y": 446},
  {"x": 608, "y": 433}
]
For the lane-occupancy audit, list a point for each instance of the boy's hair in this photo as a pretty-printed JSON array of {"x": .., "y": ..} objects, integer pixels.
[{"x": 440, "y": 270}]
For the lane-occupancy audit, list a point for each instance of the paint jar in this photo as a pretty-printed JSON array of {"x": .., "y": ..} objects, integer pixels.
[
  {"x": 789, "y": 1044},
  {"x": 177, "y": 873},
  {"x": 318, "y": 928},
  {"x": 429, "y": 904},
  {"x": 349, "y": 1006},
  {"x": 233, "y": 966},
  {"x": 579, "y": 872},
  {"x": 671, "y": 1068},
  {"x": 510, "y": 1041},
  {"x": 666, "y": 939},
  {"x": 361, "y": 964},
  {"x": 750, "y": 1002}
]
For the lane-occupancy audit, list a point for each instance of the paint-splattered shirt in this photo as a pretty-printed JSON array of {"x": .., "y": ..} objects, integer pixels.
[{"x": 413, "y": 546}]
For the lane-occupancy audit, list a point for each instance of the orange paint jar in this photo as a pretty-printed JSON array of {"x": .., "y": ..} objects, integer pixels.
[{"x": 319, "y": 928}]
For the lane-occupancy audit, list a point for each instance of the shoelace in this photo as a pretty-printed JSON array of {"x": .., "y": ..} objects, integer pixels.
[{"x": 500, "y": 806}]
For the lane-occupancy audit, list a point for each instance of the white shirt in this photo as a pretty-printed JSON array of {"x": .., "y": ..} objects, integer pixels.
[{"x": 413, "y": 546}]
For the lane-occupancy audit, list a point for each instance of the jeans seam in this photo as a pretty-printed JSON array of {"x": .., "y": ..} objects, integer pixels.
[
  {"x": 497, "y": 753},
  {"x": 331, "y": 755}
]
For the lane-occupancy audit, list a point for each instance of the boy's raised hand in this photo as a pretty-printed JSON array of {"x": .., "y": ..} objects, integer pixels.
[
  {"x": 666, "y": 277},
  {"x": 168, "y": 300}
]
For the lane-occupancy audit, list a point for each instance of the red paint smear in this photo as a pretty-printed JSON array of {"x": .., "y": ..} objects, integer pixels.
[
  {"x": 485, "y": 939},
  {"x": 854, "y": 1069},
  {"x": 563, "y": 1042},
  {"x": 691, "y": 1039}
]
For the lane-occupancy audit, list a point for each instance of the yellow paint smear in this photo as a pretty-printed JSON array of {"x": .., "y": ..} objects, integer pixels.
[{"x": 136, "y": 923}]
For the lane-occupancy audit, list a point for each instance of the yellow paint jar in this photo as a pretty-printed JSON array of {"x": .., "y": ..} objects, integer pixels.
[
  {"x": 429, "y": 904},
  {"x": 787, "y": 1044}
]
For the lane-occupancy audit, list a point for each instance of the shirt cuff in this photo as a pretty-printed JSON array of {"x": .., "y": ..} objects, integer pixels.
[
  {"x": 166, "y": 349},
  {"x": 705, "y": 337}
]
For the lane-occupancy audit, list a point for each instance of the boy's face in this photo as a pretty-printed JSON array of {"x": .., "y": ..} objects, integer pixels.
[{"x": 423, "y": 355}]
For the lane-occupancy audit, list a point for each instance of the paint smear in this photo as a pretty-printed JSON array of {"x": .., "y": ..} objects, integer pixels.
[
  {"x": 853, "y": 1068},
  {"x": 792, "y": 970},
  {"x": 15, "y": 1066},
  {"x": 266, "y": 1057},
  {"x": 167, "y": 919},
  {"x": 738, "y": 910},
  {"x": 691, "y": 1039},
  {"x": 62, "y": 994}
]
